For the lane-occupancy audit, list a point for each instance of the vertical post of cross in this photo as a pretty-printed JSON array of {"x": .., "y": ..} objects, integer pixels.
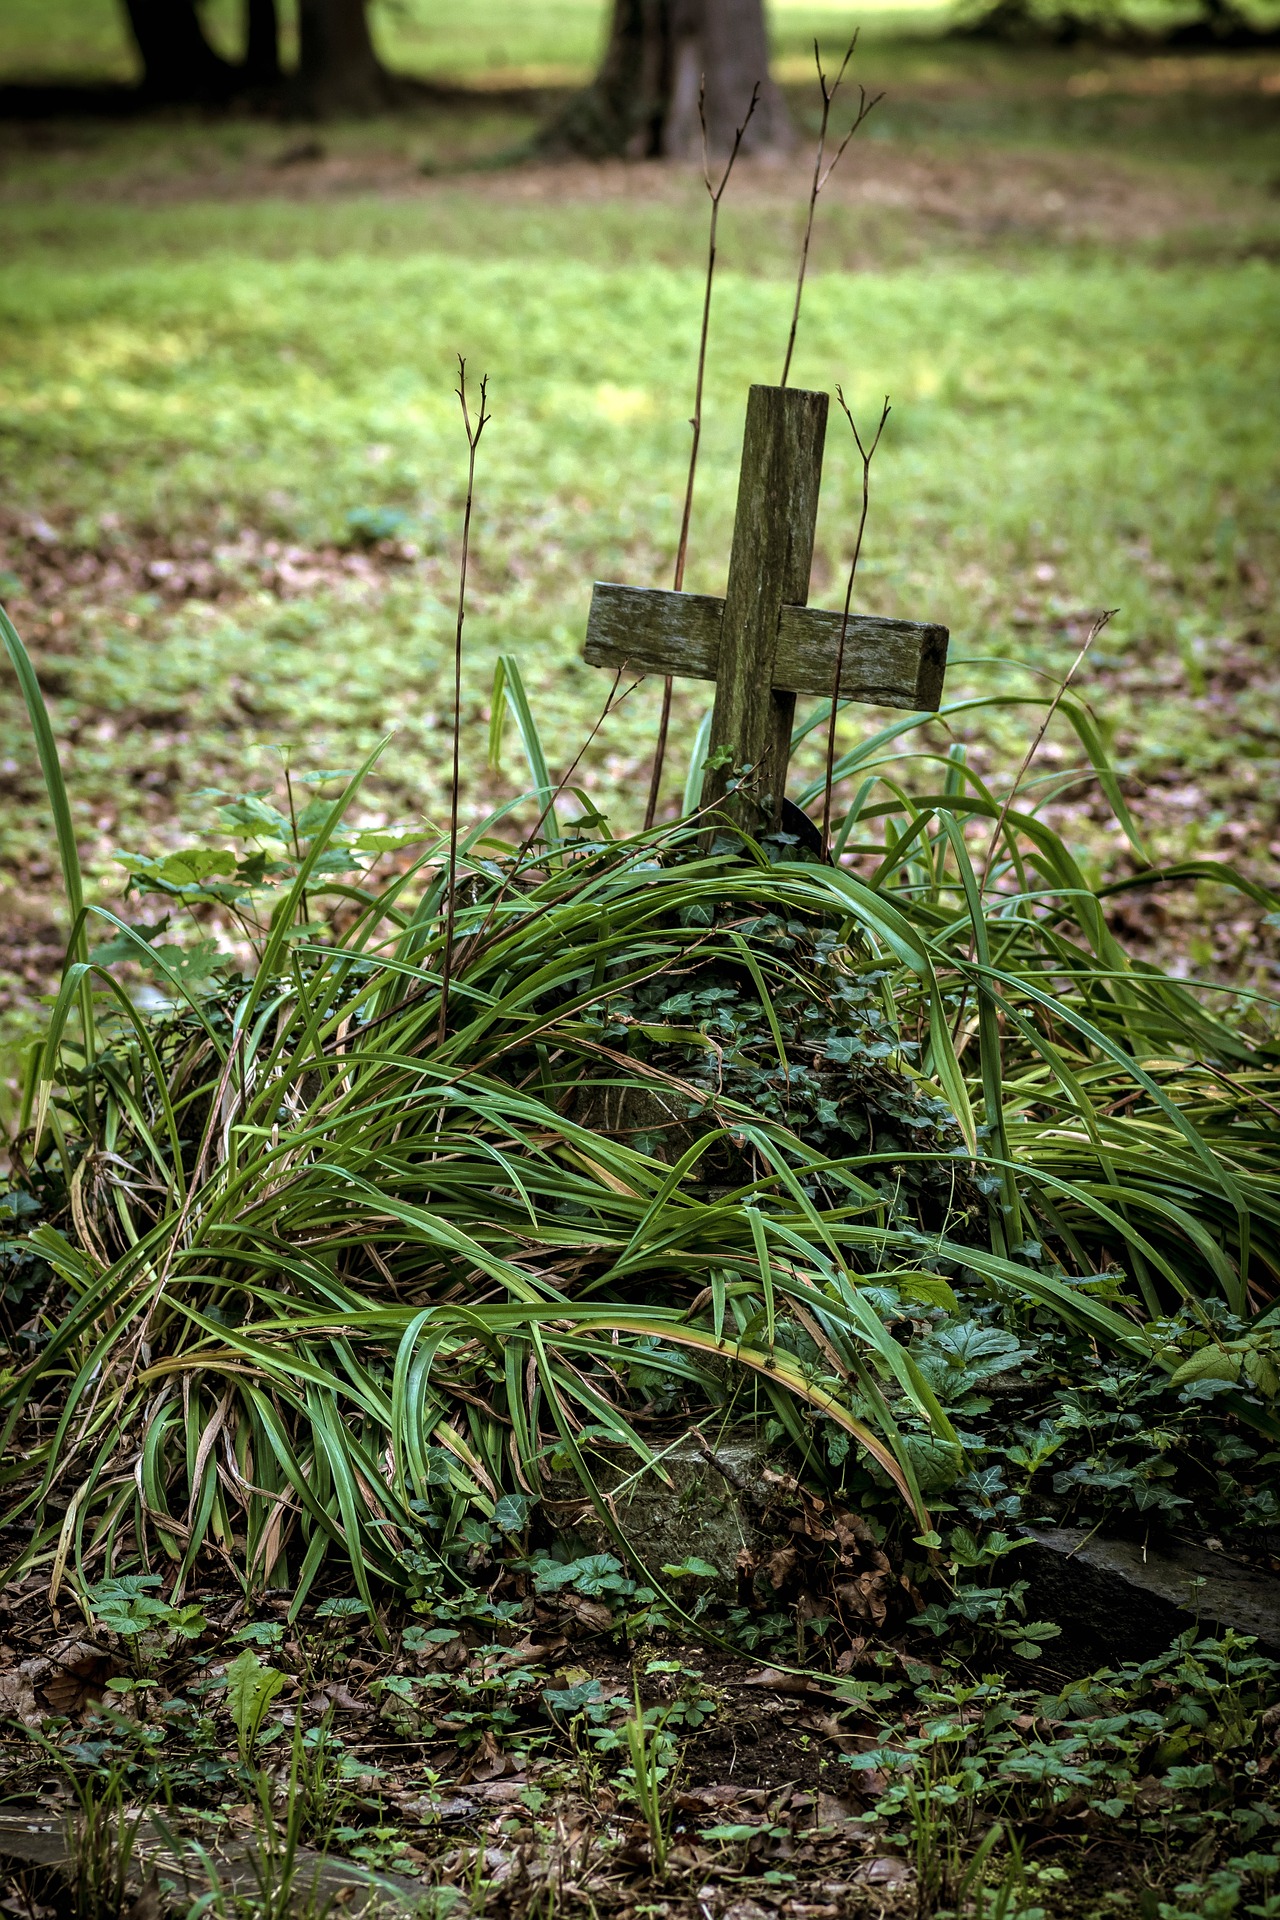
[{"x": 768, "y": 569}]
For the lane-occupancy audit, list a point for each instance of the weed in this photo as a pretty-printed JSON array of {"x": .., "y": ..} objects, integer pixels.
[
  {"x": 285, "y": 1882},
  {"x": 984, "y": 1752},
  {"x": 130, "y": 1606},
  {"x": 102, "y": 1834},
  {"x": 649, "y": 1753},
  {"x": 251, "y": 1688}
]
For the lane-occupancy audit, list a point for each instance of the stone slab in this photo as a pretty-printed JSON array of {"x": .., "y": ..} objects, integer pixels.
[
  {"x": 1122, "y": 1600},
  {"x": 35, "y": 1839}
]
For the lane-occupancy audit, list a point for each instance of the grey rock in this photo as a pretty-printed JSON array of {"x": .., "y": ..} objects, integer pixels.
[
  {"x": 1120, "y": 1600},
  {"x": 709, "y": 1511},
  {"x": 39, "y": 1839}
]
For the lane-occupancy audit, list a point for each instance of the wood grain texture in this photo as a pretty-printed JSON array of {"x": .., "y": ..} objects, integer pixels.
[
  {"x": 887, "y": 663},
  {"x": 654, "y": 630},
  {"x": 777, "y": 512}
]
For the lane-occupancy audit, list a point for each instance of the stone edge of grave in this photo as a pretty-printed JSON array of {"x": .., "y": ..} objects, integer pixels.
[
  {"x": 1118, "y": 1599},
  {"x": 41, "y": 1841}
]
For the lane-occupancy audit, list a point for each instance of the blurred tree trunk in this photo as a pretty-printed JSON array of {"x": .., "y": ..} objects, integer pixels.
[
  {"x": 178, "y": 64},
  {"x": 643, "y": 101},
  {"x": 261, "y": 43},
  {"x": 338, "y": 70}
]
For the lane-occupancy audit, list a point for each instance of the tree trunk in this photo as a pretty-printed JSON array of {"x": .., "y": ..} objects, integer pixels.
[
  {"x": 178, "y": 64},
  {"x": 338, "y": 70},
  {"x": 261, "y": 43},
  {"x": 644, "y": 100}
]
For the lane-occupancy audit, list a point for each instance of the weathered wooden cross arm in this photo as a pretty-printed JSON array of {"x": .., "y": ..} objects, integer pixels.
[
  {"x": 761, "y": 644},
  {"x": 887, "y": 663}
]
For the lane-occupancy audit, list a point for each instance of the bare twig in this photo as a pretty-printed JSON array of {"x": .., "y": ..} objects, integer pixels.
[
  {"x": 822, "y": 174},
  {"x": 867, "y": 454},
  {"x": 1101, "y": 621},
  {"x": 1034, "y": 748},
  {"x": 473, "y": 432},
  {"x": 716, "y": 194},
  {"x": 474, "y": 944}
]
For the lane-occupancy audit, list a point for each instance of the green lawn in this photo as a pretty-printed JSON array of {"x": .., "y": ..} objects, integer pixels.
[{"x": 214, "y": 368}]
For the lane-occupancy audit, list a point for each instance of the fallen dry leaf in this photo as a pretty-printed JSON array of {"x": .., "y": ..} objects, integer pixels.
[
  {"x": 18, "y": 1698},
  {"x": 779, "y": 1682}
]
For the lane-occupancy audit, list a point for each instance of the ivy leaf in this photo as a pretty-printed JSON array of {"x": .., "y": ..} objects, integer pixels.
[
  {"x": 930, "y": 1288},
  {"x": 571, "y": 1699},
  {"x": 511, "y": 1512}
]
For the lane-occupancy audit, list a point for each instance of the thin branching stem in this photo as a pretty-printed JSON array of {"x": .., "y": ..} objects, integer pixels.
[
  {"x": 959, "y": 1037},
  {"x": 614, "y": 700},
  {"x": 822, "y": 174},
  {"x": 1101, "y": 621},
  {"x": 477, "y": 942},
  {"x": 473, "y": 431},
  {"x": 716, "y": 194},
  {"x": 867, "y": 454}
]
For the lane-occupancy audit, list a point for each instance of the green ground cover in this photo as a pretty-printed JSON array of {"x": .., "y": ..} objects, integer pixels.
[{"x": 231, "y": 472}]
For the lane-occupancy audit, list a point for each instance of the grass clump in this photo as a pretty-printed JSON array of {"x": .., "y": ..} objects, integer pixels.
[{"x": 706, "y": 1127}]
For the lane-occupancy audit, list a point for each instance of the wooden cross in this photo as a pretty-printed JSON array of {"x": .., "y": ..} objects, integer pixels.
[{"x": 761, "y": 644}]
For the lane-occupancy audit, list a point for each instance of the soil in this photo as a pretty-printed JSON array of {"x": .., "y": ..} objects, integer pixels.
[{"x": 979, "y": 196}]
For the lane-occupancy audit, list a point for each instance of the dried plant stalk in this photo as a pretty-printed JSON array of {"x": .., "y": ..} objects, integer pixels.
[
  {"x": 867, "y": 455},
  {"x": 473, "y": 431},
  {"x": 821, "y": 175},
  {"x": 716, "y": 194}
]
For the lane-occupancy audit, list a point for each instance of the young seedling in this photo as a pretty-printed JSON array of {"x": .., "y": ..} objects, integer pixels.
[
  {"x": 132, "y": 1607},
  {"x": 645, "y": 1746},
  {"x": 251, "y": 1687},
  {"x": 102, "y": 1835}
]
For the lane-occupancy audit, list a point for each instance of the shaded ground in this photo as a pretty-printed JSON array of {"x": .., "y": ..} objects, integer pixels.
[{"x": 513, "y": 1796}]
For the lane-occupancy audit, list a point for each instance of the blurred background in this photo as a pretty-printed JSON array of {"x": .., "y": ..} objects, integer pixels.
[{"x": 236, "y": 276}]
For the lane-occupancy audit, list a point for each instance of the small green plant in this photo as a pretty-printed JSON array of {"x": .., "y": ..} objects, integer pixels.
[
  {"x": 285, "y": 1881},
  {"x": 251, "y": 1687},
  {"x": 996, "y": 1888},
  {"x": 326, "y": 1779},
  {"x": 649, "y": 1751},
  {"x": 1249, "y": 1884},
  {"x": 131, "y": 1606},
  {"x": 982, "y": 1617},
  {"x": 102, "y": 1835},
  {"x": 979, "y": 1752}
]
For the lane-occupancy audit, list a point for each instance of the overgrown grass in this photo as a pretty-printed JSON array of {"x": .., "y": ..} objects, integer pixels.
[
  {"x": 1084, "y": 432},
  {"x": 690, "y": 1108}
]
